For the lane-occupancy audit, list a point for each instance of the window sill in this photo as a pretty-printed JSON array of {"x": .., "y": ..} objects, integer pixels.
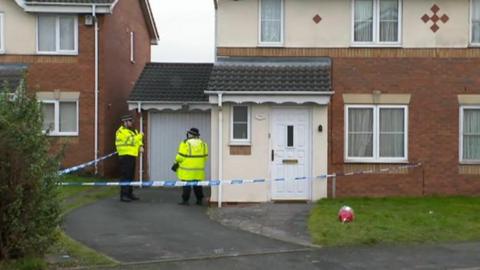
[
  {"x": 474, "y": 45},
  {"x": 234, "y": 143},
  {"x": 57, "y": 53},
  {"x": 375, "y": 45},
  {"x": 473, "y": 162},
  {"x": 271, "y": 45},
  {"x": 61, "y": 135},
  {"x": 390, "y": 161}
]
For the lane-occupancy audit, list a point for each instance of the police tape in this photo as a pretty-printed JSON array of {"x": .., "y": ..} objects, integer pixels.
[
  {"x": 176, "y": 183},
  {"x": 84, "y": 165}
]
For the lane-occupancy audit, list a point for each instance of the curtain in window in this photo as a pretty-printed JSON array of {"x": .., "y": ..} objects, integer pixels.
[
  {"x": 67, "y": 33},
  {"x": 471, "y": 134},
  {"x": 363, "y": 20},
  {"x": 46, "y": 33},
  {"x": 476, "y": 21},
  {"x": 360, "y": 132},
  {"x": 271, "y": 21},
  {"x": 388, "y": 20},
  {"x": 240, "y": 122},
  {"x": 68, "y": 116},
  {"x": 392, "y": 133},
  {"x": 48, "y": 111}
]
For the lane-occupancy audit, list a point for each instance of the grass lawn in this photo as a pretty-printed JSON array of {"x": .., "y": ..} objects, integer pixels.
[
  {"x": 396, "y": 221},
  {"x": 67, "y": 252}
]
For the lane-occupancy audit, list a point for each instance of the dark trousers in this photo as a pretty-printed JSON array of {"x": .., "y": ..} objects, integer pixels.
[
  {"x": 198, "y": 190},
  {"x": 127, "y": 168}
]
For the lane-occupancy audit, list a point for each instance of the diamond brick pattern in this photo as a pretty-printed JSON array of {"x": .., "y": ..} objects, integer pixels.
[
  {"x": 435, "y": 18},
  {"x": 317, "y": 19}
]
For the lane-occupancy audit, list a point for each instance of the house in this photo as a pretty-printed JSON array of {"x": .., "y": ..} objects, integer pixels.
[
  {"x": 81, "y": 60},
  {"x": 304, "y": 88}
]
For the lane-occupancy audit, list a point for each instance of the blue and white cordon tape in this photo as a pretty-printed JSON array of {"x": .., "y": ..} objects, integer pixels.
[
  {"x": 175, "y": 183},
  {"x": 84, "y": 165}
]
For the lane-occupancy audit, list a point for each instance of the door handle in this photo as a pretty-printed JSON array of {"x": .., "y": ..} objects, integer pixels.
[{"x": 273, "y": 154}]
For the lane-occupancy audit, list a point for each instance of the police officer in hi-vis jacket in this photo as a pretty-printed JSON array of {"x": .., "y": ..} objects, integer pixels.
[
  {"x": 190, "y": 164},
  {"x": 129, "y": 142}
]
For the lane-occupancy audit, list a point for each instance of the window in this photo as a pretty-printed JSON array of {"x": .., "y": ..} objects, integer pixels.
[
  {"x": 271, "y": 22},
  {"x": 475, "y": 15},
  {"x": 376, "y": 133},
  {"x": 132, "y": 47},
  {"x": 240, "y": 125},
  {"x": 470, "y": 134},
  {"x": 376, "y": 22},
  {"x": 60, "y": 117},
  {"x": 2, "y": 35},
  {"x": 57, "y": 34}
]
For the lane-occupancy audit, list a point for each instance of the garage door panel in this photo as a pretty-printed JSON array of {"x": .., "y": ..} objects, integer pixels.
[{"x": 165, "y": 132}]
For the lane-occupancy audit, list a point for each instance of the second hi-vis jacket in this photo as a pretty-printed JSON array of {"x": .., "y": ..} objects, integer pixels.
[
  {"x": 128, "y": 142},
  {"x": 191, "y": 158}
]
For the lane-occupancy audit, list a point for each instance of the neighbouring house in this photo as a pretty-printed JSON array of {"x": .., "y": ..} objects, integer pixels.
[
  {"x": 81, "y": 59},
  {"x": 303, "y": 88}
]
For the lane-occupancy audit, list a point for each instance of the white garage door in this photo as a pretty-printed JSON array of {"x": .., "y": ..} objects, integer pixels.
[{"x": 167, "y": 129}]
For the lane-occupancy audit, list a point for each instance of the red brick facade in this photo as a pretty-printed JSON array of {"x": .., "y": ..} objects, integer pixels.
[
  {"x": 433, "y": 119},
  {"x": 77, "y": 74}
]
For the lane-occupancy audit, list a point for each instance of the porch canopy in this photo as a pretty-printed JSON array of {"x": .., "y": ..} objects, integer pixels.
[
  {"x": 171, "y": 86},
  {"x": 279, "y": 80}
]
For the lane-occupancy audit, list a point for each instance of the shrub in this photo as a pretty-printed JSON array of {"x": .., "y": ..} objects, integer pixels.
[{"x": 29, "y": 203}]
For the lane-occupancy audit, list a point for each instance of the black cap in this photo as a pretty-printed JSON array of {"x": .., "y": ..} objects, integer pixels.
[
  {"x": 194, "y": 132},
  {"x": 127, "y": 117}
]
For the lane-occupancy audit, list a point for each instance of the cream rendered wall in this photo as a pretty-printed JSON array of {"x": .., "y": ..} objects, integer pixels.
[
  {"x": 332, "y": 31},
  {"x": 20, "y": 29},
  {"x": 257, "y": 165},
  {"x": 237, "y": 23},
  {"x": 454, "y": 33},
  {"x": 320, "y": 153}
]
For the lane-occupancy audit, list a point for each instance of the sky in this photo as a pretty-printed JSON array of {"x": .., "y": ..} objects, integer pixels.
[{"x": 186, "y": 29}]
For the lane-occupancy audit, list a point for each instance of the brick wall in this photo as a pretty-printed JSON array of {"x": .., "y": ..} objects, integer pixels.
[
  {"x": 118, "y": 72},
  {"x": 434, "y": 78},
  {"x": 67, "y": 73}
]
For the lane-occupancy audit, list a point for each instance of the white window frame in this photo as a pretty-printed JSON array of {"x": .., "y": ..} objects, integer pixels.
[
  {"x": 376, "y": 27},
  {"x": 56, "y": 130},
  {"x": 246, "y": 141},
  {"x": 470, "y": 32},
  {"x": 376, "y": 135},
  {"x": 57, "y": 36},
  {"x": 460, "y": 150},
  {"x": 132, "y": 47},
  {"x": 282, "y": 27},
  {"x": 2, "y": 33}
]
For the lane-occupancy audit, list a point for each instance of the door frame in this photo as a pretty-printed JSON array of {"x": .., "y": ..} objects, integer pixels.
[{"x": 308, "y": 156}]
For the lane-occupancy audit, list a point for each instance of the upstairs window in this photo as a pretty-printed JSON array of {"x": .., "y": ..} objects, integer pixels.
[
  {"x": 271, "y": 22},
  {"x": 57, "y": 34},
  {"x": 2, "y": 35},
  {"x": 376, "y": 22},
  {"x": 475, "y": 11}
]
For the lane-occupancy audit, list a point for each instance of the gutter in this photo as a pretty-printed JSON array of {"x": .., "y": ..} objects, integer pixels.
[
  {"x": 220, "y": 148},
  {"x": 272, "y": 92},
  {"x": 94, "y": 9},
  {"x": 140, "y": 169}
]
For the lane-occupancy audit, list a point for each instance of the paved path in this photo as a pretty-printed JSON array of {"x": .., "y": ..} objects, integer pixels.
[{"x": 156, "y": 233}]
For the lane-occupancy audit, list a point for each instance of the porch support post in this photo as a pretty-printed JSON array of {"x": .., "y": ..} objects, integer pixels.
[{"x": 220, "y": 149}]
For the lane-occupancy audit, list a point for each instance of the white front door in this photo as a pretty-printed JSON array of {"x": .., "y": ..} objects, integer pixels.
[{"x": 291, "y": 153}]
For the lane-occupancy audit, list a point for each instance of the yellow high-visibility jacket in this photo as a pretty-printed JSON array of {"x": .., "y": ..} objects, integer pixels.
[
  {"x": 128, "y": 142},
  {"x": 191, "y": 158}
]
